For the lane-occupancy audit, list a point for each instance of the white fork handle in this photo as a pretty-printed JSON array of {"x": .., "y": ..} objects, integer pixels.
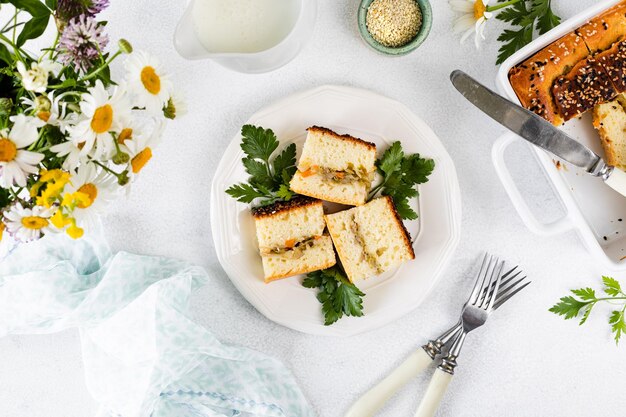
[
  {"x": 617, "y": 181},
  {"x": 435, "y": 392},
  {"x": 374, "y": 399}
]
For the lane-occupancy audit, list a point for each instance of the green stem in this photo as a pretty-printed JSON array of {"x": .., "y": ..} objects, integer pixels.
[
  {"x": 104, "y": 167},
  {"x": 54, "y": 45},
  {"x": 609, "y": 299},
  {"x": 501, "y": 5},
  {"x": 101, "y": 67}
]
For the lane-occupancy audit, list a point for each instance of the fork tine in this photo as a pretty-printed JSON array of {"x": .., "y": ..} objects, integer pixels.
[
  {"x": 504, "y": 282},
  {"x": 485, "y": 281},
  {"x": 505, "y": 288},
  {"x": 478, "y": 283},
  {"x": 505, "y": 298},
  {"x": 496, "y": 278}
]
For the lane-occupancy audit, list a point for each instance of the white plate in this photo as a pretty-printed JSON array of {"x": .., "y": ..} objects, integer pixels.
[
  {"x": 389, "y": 296},
  {"x": 593, "y": 209}
]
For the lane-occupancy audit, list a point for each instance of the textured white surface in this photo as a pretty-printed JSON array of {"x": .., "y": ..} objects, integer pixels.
[{"x": 526, "y": 362}]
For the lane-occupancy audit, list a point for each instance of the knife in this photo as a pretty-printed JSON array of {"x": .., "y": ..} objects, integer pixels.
[{"x": 537, "y": 131}]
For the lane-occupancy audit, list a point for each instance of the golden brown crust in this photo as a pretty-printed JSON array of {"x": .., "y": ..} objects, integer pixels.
[
  {"x": 349, "y": 138},
  {"x": 532, "y": 80},
  {"x": 405, "y": 233},
  {"x": 296, "y": 202},
  {"x": 586, "y": 85},
  {"x": 605, "y": 29}
]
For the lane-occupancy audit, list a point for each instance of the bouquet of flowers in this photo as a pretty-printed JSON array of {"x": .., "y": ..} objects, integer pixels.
[{"x": 71, "y": 138}]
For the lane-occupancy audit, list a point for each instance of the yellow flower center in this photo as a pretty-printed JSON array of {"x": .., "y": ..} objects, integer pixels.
[
  {"x": 91, "y": 191},
  {"x": 8, "y": 150},
  {"x": 140, "y": 160},
  {"x": 1, "y": 230},
  {"x": 125, "y": 134},
  {"x": 150, "y": 80},
  {"x": 44, "y": 115},
  {"x": 102, "y": 119},
  {"x": 479, "y": 9},
  {"x": 34, "y": 222}
]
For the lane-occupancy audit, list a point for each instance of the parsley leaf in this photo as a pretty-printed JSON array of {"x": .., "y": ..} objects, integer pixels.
[
  {"x": 618, "y": 324},
  {"x": 401, "y": 174},
  {"x": 525, "y": 16},
  {"x": 586, "y": 299},
  {"x": 612, "y": 286},
  {"x": 337, "y": 294},
  {"x": 269, "y": 178},
  {"x": 258, "y": 143},
  {"x": 244, "y": 193}
]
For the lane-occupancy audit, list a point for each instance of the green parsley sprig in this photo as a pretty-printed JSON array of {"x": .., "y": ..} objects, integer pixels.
[
  {"x": 526, "y": 17},
  {"x": 337, "y": 294},
  {"x": 269, "y": 177},
  {"x": 586, "y": 299},
  {"x": 401, "y": 174}
]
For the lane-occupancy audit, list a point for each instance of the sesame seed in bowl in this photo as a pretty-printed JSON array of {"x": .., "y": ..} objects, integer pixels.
[{"x": 394, "y": 27}]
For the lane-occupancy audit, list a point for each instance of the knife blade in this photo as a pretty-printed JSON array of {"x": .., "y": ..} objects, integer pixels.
[{"x": 537, "y": 130}]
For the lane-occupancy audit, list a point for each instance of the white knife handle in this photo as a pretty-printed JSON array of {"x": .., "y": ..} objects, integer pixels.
[
  {"x": 435, "y": 392},
  {"x": 374, "y": 399},
  {"x": 617, "y": 181}
]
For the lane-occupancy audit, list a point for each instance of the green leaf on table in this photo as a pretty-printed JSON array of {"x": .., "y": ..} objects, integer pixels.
[
  {"x": 513, "y": 41},
  {"x": 524, "y": 16},
  {"x": 618, "y": 324},
  {"x": 612, "y": 286},
  {"x": 546, "y": 19},
  {"x": 569, "y": 307},
  {"x": 585, "y": 294}
]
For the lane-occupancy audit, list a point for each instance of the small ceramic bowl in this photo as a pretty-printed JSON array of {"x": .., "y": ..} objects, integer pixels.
[{"x": 427, "y": 22}]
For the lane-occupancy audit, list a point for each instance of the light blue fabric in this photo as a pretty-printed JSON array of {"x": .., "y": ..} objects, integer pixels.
[{"x": 144, "y": 356}]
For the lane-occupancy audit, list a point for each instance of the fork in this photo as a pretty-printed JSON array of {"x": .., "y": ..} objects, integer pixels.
[
  {"x": 376, "y": 397},
  {"x": 475, "y": 313}
]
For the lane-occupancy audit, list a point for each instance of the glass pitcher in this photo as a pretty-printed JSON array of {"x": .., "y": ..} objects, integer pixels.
[{"x": 189, "y": 45}]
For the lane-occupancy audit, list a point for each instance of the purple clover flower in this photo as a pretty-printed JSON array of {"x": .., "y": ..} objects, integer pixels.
[
  {"x": 81, "y": 42},
  {"x": 68, "y": 9}
]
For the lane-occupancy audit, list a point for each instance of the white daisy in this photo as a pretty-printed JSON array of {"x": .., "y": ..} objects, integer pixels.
[
  {"x": 475, "y": 16},
  {"x": 50, "y": 109},
  {"x": 139, "y": 148},
  {"x": 101, "y": 188},
  {"x": 36, "y": 78},
  {"x": 101, "y": 114},
  {"x": 72, "y": 153},
  {"x": 17, "y": 162},
  {"x": 148, "y": 82},
  {"x": 28, "y": 224}
]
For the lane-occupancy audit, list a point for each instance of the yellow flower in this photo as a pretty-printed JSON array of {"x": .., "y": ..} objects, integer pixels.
[
  {"x": 54, "y": 181},
  {"x": 77, "y": 199},
  {"x": 74, "y": 231},
  {"x": 59, "y": 220},
  {"x": 2, "y": 226}
]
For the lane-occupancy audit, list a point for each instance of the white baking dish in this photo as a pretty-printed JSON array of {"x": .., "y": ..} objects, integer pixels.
[{"x": 593, "y": 209}]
